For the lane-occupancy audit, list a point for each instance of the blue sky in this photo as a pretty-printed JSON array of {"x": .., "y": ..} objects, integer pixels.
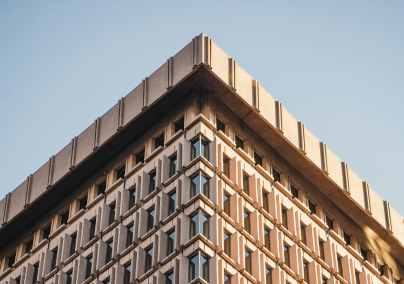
[{"x": 338, "y": 66}]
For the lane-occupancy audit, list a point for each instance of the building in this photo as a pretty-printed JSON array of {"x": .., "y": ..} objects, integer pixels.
[{"x": 198, "y": 176}]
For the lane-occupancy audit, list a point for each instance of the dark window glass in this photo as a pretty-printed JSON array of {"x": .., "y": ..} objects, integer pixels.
[
  {"x": 170, "y": 278},
  {"x": 294, "y": 191},
  {"x": 89, "y": 262},
  {"x": 247, "y": 257},
  {"x": 239, "y": 143},
  {"x": 170, "y": 242},
  {"x": 247, "y": 226},
  {"x": 102, "y": 187},
  {"x": 83, "y": 203},
  {"x": 132, "y": 198},
  {"x": 140, "y": 157},
  {"x": 199, "y": 146},
  {"x": 69, "y": 277},
  {"x": 129, "y": 236},
  {"x": 199, "y": 224},
  {"x": 193, "y": 267},
  {"x": 36, "y": 269},
  {"x": 173, "y": 165},
  {"x": 284, "y": 218},
  {"x": 226, "y": 204},
  {"x": 108, "y": 257},
  {"x": 111, "y": 214},
  {"x": 321, "y": 247},
  {"x": 92, "y": 229},
  {"x": 226, "y": 240},
  {"x": 30, "y": 244},
  {"x": 179, "y": 125},
  {"x": 277, "y": 176},
  {"x": 160, "y": 141},
  {"x": 73, "y": 245},
  {"x": 120, "y": 173},
  {"x": 286, "y": 255},
  {"x": 356, "y": 277},
  {"x": 347, "y": 239},
  {"x": 226, "y": 167},
  {"x": 268, "y": 276},
  {"x": 195, "y": 148},
  {"x": 54, "y": 257},
  {"x": 65, "y": 217},
  {"x": 150, "y": 219},
  {"x": 265, "y": 201},
  {"x": 323, "y": 280},
  {"x": 306, "y": 272},
  {"x": 107, "y": 281},
  {"x": 205, "y": 185},
  {"x": 171, "y": 203},
  {"x": 11, "y": 260},
  {"x": 126, "y": 276},
  {"x": 227, "y": 278},
  {"x": 152, "y": 182},
  {"x": 205, "y": 149},
  {"x": 149, "y": 257},
  {"x": 330, "y": 223},
  {"x": 312, "y": 207},
  {"x": 339, "y": 264},
  {"x": 246, "y": 187},
  {"x": 363, "y": 253},
  {"x": 46, "y": 232},
  {"x": 267, "y": 239},
  {"x": 303, "y": 234},
  {"x": 380, "y": 269},
  {"x": 258, "y": 159},
  {"x": 220, "y": 126}
]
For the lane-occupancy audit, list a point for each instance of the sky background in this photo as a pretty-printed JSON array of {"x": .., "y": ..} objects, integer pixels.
[{"x": 337, "y": 66}]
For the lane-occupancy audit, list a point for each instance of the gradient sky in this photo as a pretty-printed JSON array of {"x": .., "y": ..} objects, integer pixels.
[{"x": 337, "y": 66}]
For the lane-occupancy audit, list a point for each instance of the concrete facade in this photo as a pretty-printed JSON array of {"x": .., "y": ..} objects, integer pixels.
[{"x": 198, "y": 176}]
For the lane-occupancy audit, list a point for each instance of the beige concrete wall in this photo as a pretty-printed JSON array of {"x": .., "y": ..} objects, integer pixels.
[
  {"x": 62, "y": 163},
  {"x": 356, "y": 188},
  {"x": 243, "y": 84},
  {"x": 377, "y": 207},
  {"x": 132, "y": 104},
  {"x": 182, "y": 64},
  {"x": 267, "y": 106},
  {"x": 157, "y": 84},
  {"x": 84, "y": 144},
  {"x": 334, "y": 165},
  {"x": 290, "y": 128},
  {"x": 17, "y": 200},
  {"x": 39, "y": 183},
  {"x": 312, "y": 148},
  {"x": 108, "y": 125},
  {"x": 397, "y": 224}
]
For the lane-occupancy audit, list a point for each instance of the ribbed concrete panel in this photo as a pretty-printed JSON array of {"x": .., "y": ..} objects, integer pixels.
[
  {"x": 62, "y": 163},
  {"x": 132, "y": 104},
  {"x": 39, "y": 182},
  {"x": 312, "y": 147},
  {"x": 267, "y": 106},
  {"x": 335, "y": 168},
  {"x": 244, "y": 85},
  {"x": 290, "y": 128},
  {"x": 356, "y": 188},
  {"x": 17, "y": 201},
  {"x": 84, "y": 144},
  {"x": 182, "y": 63},
  {"x": 108, "y": 125},
  {"x": 157, "y": 84},
  {"x": 377, "y": 207},
  {"x": 397, "y": 223},
  {"x": 220, "y": 63},
  {"x": 2, "y": 207}
]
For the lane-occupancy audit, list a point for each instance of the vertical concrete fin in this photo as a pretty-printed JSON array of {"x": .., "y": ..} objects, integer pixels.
[
  {"x": 324, "y": 162},
  {"x": 51, "y": 168},
  {"x": 120, "y": 114},
  {"x": 389, "y": 226},
  {"x": 73, "y": 155},
  {"x": 6, "y": 206},
  {"x": 302, "y": 144},
  {"x": 345, "y": 177},
  {"x": 97, "y": 133},
  {"x": 170, "y": 73},
  {"x": 255, "y": 94},
  {"x": 231, "y": 73},
  {"x": 366, "y": 195},
  {"x": 29, "y": 185},
  {"x": 278, "y": 113}
]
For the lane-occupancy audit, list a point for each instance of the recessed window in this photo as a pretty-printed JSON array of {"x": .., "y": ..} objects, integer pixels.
[
  {"x": 65, "y": 217},
  {"x": 199, "y": 146},
  {"x": 295, "y": 192},
  {"x": 226, "y": 204},
  {"x": 111, "y": 214},
  {"x": 347, "y": 239},
  {"x": 330, "y": 223},
  {"x": 170, "y": 242},
  {"x": 120, "y": 173},
  {"x": 106, "y": 281},
  {"x": 284, "y": 218},
  {"x": 247, "y": 260},
  {"x": 226, "y": 166},
  {"x": 198, "y": 183},
  {"x": 303, "y": 234},
  {"x": 323, "y": 280},
  {"x": 36, "y": 269},
  {"x": 173, "y": 165},
  {"x": 46, "y": 232},
  {"x": 312, "y": 207},
  {"x": 171, "y": 203},
  {"x": 129, "y": 236},
  {"x": 73, "y": 244},
  {"x": 363, "y": 253},
  {"x": 339, "y": 265},
  {"x": 239, "y": 143},
  {"x": 306, "y": 272},
  {"x": 265, "y": 201},
  {"x": 89, "y": 262},
  {"x": 69, "y": 277},
  {"x": 380, "y": 269},
  {"x": 132, "y": 198},
  {"x": 246, "y": 187},
  {"x": 11, "y": 260},
  {"x": 286, "y": 257},
  {"x": 220, "y": 126},
  {"x": 29, "y": 246},
  {"x": 170, "y": 278},
  {"x": 226, "y": 243},
  {"x": 198, "y": 267},
  {"x": 179, "y": 125},
  {"x": 92, "y": 229},
  {"x": 268, "y": 275},
  {"x": 247, "y": 226},
  {"x": 150, "y": 219},
  {"x": 83, "y": 203},
  {"x": 108, "y": 257},
  {"x": 140, "y": 157},
  {"x": 276, "y": 175},
  {"x": 357, "y": 277},
  {"x": 258, "y": 159},
  {"x": 126, "y": 275},
  {"x": 152, "y": 182},
  {"x": 149, "y": 257},
  {"x": 267, "y": 239},
  {"x": 199, "y": 225},
  {"x": 54, "y": 258},
  {"x": 159, "y": 141},
  {"x": 226, "y": 278},
  {"x": 321, "y": 248},
  {"x": 102, "y": 187}
]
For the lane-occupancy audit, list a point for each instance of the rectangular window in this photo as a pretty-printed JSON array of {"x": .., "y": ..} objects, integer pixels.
[
  {"x": 330, "y": 223},
  {"x": 159, "y": 141},
  {"x": 29, "y": 246},
  {"x": 132, "y": 198},
  {"x": 73, "y": 244},
  {"x": 69, "y": 277},
  {"x": 89, "y": 262},
  {"x": 339, "y": 264},
  {"x": 258, "y": 159},
  {"x": 171, "y": 203},
  {"x": 120, "y": 173},
  {"x": 220, "y": 126},
  {"x": 226, "y": 204},
  {"x": 92, "y": 229},
  {"x": 265, "y": 201},
  {"x": 65, "y": 217},
  {"x": 173, "y": 165},
  {"x": 111, "y": 214},
  {"x": 129, "y": 236},
  {"x": 108, "y": 257},
  {"x": 46, "y": 232},
  {"x": 312, "y": 207},
  {"x": 286, "y": 255},
  {"x": 294, "y": 191},
  {"x": 152, "y": 182},
  {"x": 149, "y": 257},
  {"x": 268, "y": 275},
  {"x": 170, "y": 242},
  {"x": 247, "y": 258},
  {"x": 267, "y": 239},
  {"x": 170, "y": 278},
  {"x": 357, "y": 277},
  {"x": 197, "y": 182},
  {"x": 140, "y": 157},
  {"x": 102, "y": 187},
  {"x": 199, "y": 224},
  {"x": 126, "y": 276},
  {"x": 246, "y": 187},
  {"x": 199, "y": 146},
  {"x": 11, "y": 260},
  {"x": 321, "y": 248},
  {"x": 198, "y": 267},
  {"x": 247, "y": 226},
  {"x": 36, "y": 269},
  {"x": 54, "y": 258},
  {"x": 276, "y": 175},
  {"x": 83, "y": 203},
  {"x": 226, "y": 167},
  {"x": 106, "y": 281},
  {"x": 226, "y": 241},
  {"x": 239, "y": 143},
  {"x": 150, "y": 219},
  {"x": 179, "y": 125},
  {"x": 347, "y": 239},
  {"x": 303, "y": 234},
  {"x": 363, "y": 253},
  {"x": 284, "y": 218},
  {"x": 306, "y": 272},
  {"x": 227, "y": 278}
]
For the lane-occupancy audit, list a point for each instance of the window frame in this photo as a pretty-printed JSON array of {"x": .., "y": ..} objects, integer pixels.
[
  {"x": 199, "y": 229},
  {"x": 198, "y": 151},
  {"x": 200, "y": 189}
]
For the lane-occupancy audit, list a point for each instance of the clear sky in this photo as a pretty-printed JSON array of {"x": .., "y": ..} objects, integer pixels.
[{"x": 337, "y": 66}]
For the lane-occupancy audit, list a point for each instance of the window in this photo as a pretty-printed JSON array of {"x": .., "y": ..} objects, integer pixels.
[
  {"x": 276, "y": 175},
  {"x": 303, "y": 234},
  {"x": 239, "y": 143},
  {"x": 89, "y": 262},
  {"x": 258, "y": 159},
  {"x": 247, "y": 226},
  {"x": 83, "y": 203},
  {"x": 247, "y": 259},
  {"x": 170, "y": 242},
  {"x": 150, "y": 219},
  {"x": 267, "y": 239},
  {"x": 284, "y": 218},
  {"x": 226, "y": 278},
  {"x": 226, "y": 204},
  {"x": 126, "y": 275},
  {"x": 199, "y": 146},
  {"x": 323, "y": 280},
  {"x": 129, "y": 236},
  {"x": 321, "y": 248},
  {"x": 120, "y": 173},
  {"x": 36, "y": 269},
  {"x": 149, "y": 257},
  {"x": 306, "y": 272},
  {"x": 339, "y": 265},
  {"x": 268, "y": 275},
  {"x": 152, "y": 182},
  {"x": 170, "y": 278},
  {"x": 108, "y": 257},
  {"x": 65, "y": 217},
  {"x": 140, "y": 157},
  {"x": 171, "y": 203},
  {"x": 226, "y": 167},
  {"x": 356, "y": 277},
  {"x": 159, "y": 141},
  {"x": 173, "y": 165},
  {"x": 102, "y": 187},
  {"x": 198, "y": 180},
  {"x": 73, "y": 244},
  {"x": 11, "y": 260},
  {"x": 106, "y": 281},
  {"x": 54, "y": 257},
  {"x": 246, "y": 187},
  {"x": 220, "y": 126},
  {"x": 312, "y": 207},
  {"x": 198, "y": 267},
  {"x": 46, "y": 232},
  {"x": 179, "y": 125},
  {"x": 199, "y": 225},
  {"x": 380, "y": 269},
  {"x": 265, "y": 201},
  {"x": 226, "y": 241},
  {"x": 69, "y": 277},
  {"x": 363, "y": 253},
  {"x": 132, "y": 198},
  {"x": 330, "y": 223},
  {"x": 111, "y": 214},
  {"x": 29, "y": 246},
  {"x": 294, "y": 191},
  {"x": 347, "y": 239},
  {"x": 286, "y": 255},
  {"x": 92, "y": 229}
]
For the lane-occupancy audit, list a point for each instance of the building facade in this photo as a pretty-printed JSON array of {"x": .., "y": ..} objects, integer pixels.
[{"x": 198, "y": 176}]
